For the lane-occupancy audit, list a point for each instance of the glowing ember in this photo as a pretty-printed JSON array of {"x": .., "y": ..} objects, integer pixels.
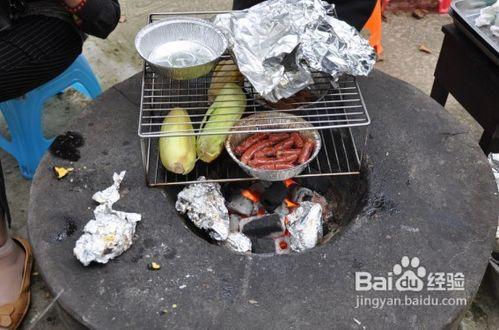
[
  {"x": 261, "y": 212},
  {"x": 290, "y": 204},
  {"x": 250, "y": 195},
  {"x": 283, "y": 245},
  {"x": 289, "y": 182}
]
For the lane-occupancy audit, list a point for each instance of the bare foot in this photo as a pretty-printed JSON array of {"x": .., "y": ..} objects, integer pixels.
[{"x": 11, "y": 271}]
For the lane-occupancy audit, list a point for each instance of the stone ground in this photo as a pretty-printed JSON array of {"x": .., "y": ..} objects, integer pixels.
[{"x": 115, "y": 59}]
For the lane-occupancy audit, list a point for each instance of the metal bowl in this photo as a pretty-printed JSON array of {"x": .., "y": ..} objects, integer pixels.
[
  {"x": 181, "y": 48},
  {"x": 278, "y": 120}
]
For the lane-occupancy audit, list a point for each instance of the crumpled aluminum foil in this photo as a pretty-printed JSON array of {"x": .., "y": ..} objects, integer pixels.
[
  {"x": 111, "y": 233},
  {"x": 238, "y": 242},
  {"x": 489, "y": 16},
  {"x": 205, "y": 206},
  {"x": 277, "y": 44},
  {"x": 494, "y": 163},
  {"x": 305, "y": 226}
]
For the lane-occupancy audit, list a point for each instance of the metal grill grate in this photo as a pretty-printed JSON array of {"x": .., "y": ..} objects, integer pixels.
[{"x": 336, "y": 111}]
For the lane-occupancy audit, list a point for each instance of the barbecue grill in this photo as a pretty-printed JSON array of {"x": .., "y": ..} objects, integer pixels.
[{"x": 339, "y": 113}]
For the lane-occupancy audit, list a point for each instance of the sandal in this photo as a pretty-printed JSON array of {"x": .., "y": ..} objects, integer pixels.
[{"x": 11, "y": 315}]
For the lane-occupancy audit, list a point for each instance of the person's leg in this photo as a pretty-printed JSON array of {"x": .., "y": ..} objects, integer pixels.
[
  {"x": 11, "y": 255},
  {"x": 35, "y": 50}
]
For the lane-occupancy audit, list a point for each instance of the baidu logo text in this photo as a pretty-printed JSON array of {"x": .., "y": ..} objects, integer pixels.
[{"x": 409, "y": 275}]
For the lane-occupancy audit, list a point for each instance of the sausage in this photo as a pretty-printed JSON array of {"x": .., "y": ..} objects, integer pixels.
[
  {"x": 255, "y": 162},
  {"x": 283, "y": 160},
  {"x": 275, "y": 166},
  {"x": 288, "y": 159},
  {"x": 265, "y": 152},
  {"x": 286, "y": 144},
  {"x": 241, "y": 148},
  {"x": 306, "y": 151},
  {"x": 278, "y": 137},
  {"x": 298, "y": 139},
  {"x": 281, "y": 153},
  {"x": 248, "y": 154}
]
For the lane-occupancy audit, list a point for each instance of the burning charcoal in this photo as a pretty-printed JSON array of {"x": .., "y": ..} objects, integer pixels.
[
  {"x": 234, "y": 223},
  {"x": 274, "y": 195},
  {"x": 263, "y": 245},
  {"x": 260, "y": 186},
  {"x": 301, "y": 194},
  {"x": 305, "y": 226},
  {"x": 230, "y": 189},
  {"x": 262, "y": 226},
  {"x": 240, "y": 204},
  {"x": 205, "y": 206},
  {"x": 282, "y": 245},
  {"x": 238, "y": 242},
  {"x": 258, "y": 209},
  {"x": 282, "y": 210}
]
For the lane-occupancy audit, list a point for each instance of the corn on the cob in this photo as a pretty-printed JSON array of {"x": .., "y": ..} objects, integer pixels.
[
  {"x": 225, "y": 72},
  {"x": 177, "y": 153},
  {"x": 227, "y": 109}
]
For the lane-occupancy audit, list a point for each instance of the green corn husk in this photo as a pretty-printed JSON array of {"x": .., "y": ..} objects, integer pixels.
[
  {"x": 227, "y": 109},
  {"x": 177, "y": 153}
]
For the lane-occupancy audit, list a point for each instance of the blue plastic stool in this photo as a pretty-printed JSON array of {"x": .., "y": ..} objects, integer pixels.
[{"x": 24, "y": 115}]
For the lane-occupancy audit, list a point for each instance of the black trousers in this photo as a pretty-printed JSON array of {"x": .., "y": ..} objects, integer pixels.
[
  {"x": 33, "y": 51},
  {"x": 354, "y": 12}
]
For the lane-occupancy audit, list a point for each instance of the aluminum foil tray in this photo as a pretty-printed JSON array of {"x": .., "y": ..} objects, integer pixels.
[{"x": 464, "y": 13}]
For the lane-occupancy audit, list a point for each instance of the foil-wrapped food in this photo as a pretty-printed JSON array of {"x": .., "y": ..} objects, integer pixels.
[
  {"x": 238, "y": 242},
  {"x": 277, "y": 45},
  {"x": 305, "y": 226},
  {"x": 111, "y": 232},
  {"x": 205, "y": 206}
]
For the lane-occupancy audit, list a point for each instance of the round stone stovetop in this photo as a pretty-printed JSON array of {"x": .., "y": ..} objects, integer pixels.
[{"x": 420, "y": 159}]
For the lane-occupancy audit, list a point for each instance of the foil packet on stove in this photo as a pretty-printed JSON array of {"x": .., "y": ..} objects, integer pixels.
[
  {"x": 111, "y": 232},
  {"x": 305, "y": 226},
  {"x": 278, "y": 43},
  {"x": 205, "y": 206},
  {"x": 238, "y": 242}
]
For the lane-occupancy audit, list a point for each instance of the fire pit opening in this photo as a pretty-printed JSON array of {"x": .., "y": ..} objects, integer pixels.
[{"x": 284, "y": 217}]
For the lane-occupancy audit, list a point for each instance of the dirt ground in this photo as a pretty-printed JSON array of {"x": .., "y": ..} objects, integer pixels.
[{"x": 115, "y": 59}]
